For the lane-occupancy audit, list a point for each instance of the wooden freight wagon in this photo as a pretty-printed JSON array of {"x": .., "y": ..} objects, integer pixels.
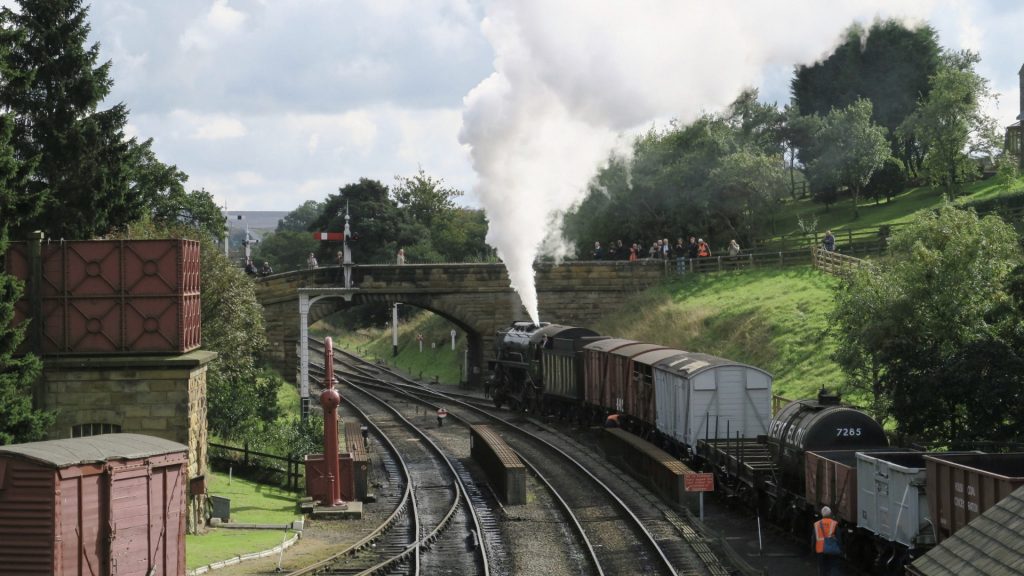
[
  {"x": 110, "y": 504},
  {"x": 962, "y": 486},
  {"x": 640, "y": 397},
  {"x": 597, "y": 370}
]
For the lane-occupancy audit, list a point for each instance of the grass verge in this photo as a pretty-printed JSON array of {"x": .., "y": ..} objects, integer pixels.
[{"x": 250, "y": 503}]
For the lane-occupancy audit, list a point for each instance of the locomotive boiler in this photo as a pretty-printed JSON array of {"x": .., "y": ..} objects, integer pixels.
[{"x": 531, "y": 360}]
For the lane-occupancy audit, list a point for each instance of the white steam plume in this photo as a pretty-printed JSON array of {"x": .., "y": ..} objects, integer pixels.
[{"x": 571, "y": 78}]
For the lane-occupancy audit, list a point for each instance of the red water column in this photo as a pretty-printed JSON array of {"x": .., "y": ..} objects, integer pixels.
[{"x": 329, "y": 401}]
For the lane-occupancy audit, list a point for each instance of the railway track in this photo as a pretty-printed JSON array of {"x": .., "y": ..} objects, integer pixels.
[
  {"x": 435, "y": 527},
  {"x": 631, "y": 533}
]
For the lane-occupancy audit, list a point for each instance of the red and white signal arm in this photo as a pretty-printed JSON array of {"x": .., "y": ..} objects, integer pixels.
[
  {"x": 333, "y": 236},
  {"x": 442, "y": 413},
  {"x": 699, "y": 482}
]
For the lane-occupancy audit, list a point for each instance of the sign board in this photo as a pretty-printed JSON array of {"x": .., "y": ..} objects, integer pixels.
[
  {"x": 699, "y": 482},
  {"x": 329, "y": 236}
]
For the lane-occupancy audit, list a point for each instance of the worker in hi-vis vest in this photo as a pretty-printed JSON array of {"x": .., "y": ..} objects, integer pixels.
[{"x": 826, "y": 542}]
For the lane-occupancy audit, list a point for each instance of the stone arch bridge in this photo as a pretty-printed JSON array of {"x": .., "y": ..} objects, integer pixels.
[{"x": 475, "y": 297}]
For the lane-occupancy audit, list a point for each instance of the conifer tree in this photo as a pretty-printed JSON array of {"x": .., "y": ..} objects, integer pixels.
[
  {"x": 19, "y": 421},
  {"x": 52, "y": 87}
]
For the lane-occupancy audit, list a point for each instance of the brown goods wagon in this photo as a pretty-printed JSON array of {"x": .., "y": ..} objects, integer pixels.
[
  {"x": 114, "y": 297},
  {"x": 109, "y": 504},
  {"x": 831, "y": 480},
  {"x": 596, "y": 366},
  {"x": 620, "y": 374},
  {"x": 962, "y": 486},
  {"x": 640, "y": 397}
]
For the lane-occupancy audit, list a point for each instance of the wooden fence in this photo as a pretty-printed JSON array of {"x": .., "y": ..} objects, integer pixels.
[
  {"x": 834, "y": 263},
  {"x": 260, "y": 462}
]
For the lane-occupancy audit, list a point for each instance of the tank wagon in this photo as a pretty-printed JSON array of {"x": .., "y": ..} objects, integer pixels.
[{"x": 892, "y": 503}]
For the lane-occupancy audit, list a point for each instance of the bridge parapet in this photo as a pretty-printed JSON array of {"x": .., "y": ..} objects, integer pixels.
[{"x": 475, "y": 297}]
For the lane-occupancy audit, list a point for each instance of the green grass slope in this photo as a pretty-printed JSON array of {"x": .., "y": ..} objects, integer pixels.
[
  {"x": 437, "y": 358},
  {"x": 839, "y": 217},
  {"x": 774, "y": 319}
]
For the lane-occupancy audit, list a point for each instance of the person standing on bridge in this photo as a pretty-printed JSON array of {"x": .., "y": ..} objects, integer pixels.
[
  {"x": 311, "y": 261},
  {"x": 401, "y": 256}
]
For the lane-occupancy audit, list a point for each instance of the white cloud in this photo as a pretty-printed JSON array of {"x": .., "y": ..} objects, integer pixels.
[
  {"x": 220, "y": 21},
  {"x": 208, "y": 126}
]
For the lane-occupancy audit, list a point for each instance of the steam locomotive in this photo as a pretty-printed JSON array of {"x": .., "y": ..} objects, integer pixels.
[{"x": 717, "y": 415}]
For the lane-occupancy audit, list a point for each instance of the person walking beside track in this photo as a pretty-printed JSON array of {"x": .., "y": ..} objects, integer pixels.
[{"x": 826, "y": 543}]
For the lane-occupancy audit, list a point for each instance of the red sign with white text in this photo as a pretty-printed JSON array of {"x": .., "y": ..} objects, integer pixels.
[{"x": 699, "y": 482}]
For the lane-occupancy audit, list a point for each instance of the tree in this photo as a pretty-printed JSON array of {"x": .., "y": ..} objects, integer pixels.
[
  {"x": 286, "y": 250},
  {"x": 851, "y": 148},
  {"x": 424, "y": 199},
  {"x": 301, "y": 219},
  {"x": 888, "y": 64},
  {"x": 750, "y": 187},
  {"x": 19, "y": 420},
  {"x": 951, "y": 123},
  {"x": 924, "y": 330},
  {"x": 375, "y": 218},
  {"x": 233, "y": 327},
  {"x": 52, "y": 87},
  {"x": 887, "y": 181}
]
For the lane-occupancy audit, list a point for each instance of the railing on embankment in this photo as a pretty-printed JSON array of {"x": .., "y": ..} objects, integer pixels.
[{"x": 834, "y": 263}]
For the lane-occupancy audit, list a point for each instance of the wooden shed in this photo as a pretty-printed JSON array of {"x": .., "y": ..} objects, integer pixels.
[{"x": 109, "y": 504}]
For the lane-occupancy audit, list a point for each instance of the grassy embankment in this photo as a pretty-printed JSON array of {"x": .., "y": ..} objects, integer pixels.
[
  {"x": 375, "y": 343},
  {"x": 840, "y": 217}
]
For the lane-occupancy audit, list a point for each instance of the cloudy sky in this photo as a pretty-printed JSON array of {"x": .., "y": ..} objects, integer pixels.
[{"x": 267, "y": 103}]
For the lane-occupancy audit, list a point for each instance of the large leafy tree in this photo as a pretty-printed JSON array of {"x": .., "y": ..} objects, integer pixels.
[
  {"x": 52, "y": 87},
  {"x": 375, "y": 219},
  {"x": 951, "y": 123},
  {"x": 888, "y": 64},
  {"x": 929, "y": 332},
  {"x": 849, "y": 149}
]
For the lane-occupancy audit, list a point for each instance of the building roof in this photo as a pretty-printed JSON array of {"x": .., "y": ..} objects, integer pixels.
[
  {"x": 92, "y": 449},
  {"x": 989, "y": 546}
]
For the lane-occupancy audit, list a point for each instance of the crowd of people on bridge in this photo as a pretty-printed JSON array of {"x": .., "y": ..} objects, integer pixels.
[{"x": 662, "y": 249}]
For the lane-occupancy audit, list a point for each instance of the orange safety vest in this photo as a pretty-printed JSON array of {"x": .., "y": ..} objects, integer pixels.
[
  {"x": 703, "y": 251},
  {"x": 824, "y": 528}
]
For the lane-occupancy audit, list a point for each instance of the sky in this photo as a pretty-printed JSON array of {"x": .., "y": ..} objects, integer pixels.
[{"x": 268, "y": 103}]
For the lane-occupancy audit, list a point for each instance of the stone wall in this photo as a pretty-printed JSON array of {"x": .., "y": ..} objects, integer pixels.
[
  {"x": 475, "y": 297},
  {"x": 163, "y": 396}
]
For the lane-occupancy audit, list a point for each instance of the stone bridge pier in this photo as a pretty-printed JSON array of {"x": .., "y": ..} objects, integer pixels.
[{"x": 475, "y": 297}]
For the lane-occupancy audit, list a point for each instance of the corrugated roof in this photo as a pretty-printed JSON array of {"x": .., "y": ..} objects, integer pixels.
[
  {"x": 991, "y": 545},
  {"x": 690, "y": 363},
  {"x": 609, "y": 344},
  {"x": 636, "y": 349},
  {"x": 91, "y": 449},
  {"x": 654, "y": 356}
]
